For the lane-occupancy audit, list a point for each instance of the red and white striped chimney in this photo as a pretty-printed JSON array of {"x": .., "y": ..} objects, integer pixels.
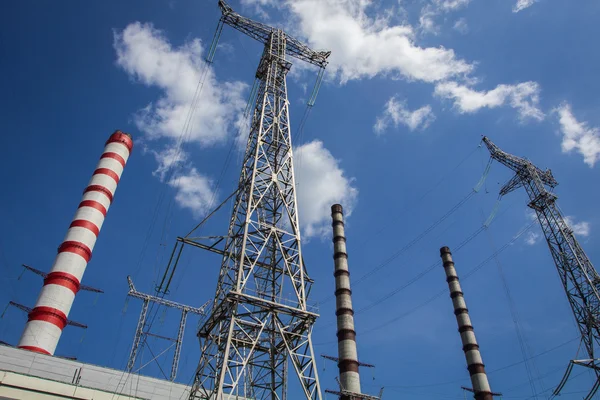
[{"x": 49, "y": 316}]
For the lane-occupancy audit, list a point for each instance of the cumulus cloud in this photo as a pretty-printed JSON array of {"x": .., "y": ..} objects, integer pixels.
[
  {"x": 579, "y": 228},
  {"x": 148, "y": 57},
  {"x": 532, "y": 238},
  {"x": 363, "y": 46},
  {"x": 451, "y": 5},
  {"x": 396, "y": 112},
  {"x": 258, "y": 6},
  {"x": 435, "y": 8},
  {"x": 181, "y": 114},
  {"x": 524, "y": 97},
  {"x": 522, "y": 4},
  {"x": 195, "y": 192},
  {"x": 461, "y": 26},
  {"x": 168, "y": 159},
  {"x": 578, "y": 136},
  {"x": 258, "y": 2},
  {"x": 320, "y": 182}
]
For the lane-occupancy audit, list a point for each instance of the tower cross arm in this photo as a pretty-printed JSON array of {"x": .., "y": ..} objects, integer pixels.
[
  {"x": 518, "y": 164},
  {"x": 168, "y": 303},
  {"x": 262, "y": 33}
]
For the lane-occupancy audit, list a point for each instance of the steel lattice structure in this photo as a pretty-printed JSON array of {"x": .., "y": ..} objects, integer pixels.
[
  {"x": 254, "y": 328},
  {"x": 577, "y": 274},
  {"x": 142, "y": 331}
]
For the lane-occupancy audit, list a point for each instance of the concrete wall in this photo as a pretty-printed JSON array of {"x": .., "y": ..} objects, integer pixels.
[
  {"x": 29, "y": 375},
  {"x": 25, "y": 387}
]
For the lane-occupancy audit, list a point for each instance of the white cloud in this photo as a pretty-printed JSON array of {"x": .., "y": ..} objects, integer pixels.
[
  {"x": 461, "y": 26},
  {"x": 532, "y": 238},
  {"x": 262, "y": 3},
  {"x": 180, "y": 115},
  {"x": 226, "y": 48},
  {"x": 578, "y": 135},
  {"x": 451, "y": 5},
  {"x": 522, "y": 4},
  {"x": 579, "y": 228},
  {"x": 437, "y": 7},
  {"x": 168, "y": 158},
  {"x": 195, "y": 192},
  {"x": 524, "y": 97},
  {"x": 397, "y": 113},
  {"x": 363, "y": 47},
  {"x": 147, "y": 56},
  {"x": 258, "y": 2},
  {"x": 427, "y": 20},
  {"x": 258, "y": 6},
  {"x": 320, "y": 183}
]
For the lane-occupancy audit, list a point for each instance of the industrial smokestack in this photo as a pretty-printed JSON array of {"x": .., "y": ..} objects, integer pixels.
[
  {"x": 347, "y": 354},
  {"x": 479, "y": 380},
  {"x": 49, "y": 316}
]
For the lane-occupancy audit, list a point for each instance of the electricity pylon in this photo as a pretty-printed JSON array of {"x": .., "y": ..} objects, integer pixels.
[
  {"x": 577, "y": 274},
  {"x": 142, "y": 331},
  {"x": 254, "y": 328}
]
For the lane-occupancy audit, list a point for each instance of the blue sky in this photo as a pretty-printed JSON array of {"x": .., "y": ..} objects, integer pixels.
[{"x": 394, "y": 135}]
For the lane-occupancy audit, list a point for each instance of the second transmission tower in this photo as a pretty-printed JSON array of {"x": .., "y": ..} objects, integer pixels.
[{"x": 577, "y": 274}]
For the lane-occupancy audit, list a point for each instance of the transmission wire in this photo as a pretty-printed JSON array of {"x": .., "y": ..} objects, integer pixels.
[
  {"x": 423, "y": 196},
  {"x": 516, "y": 320},
  {"x": 490, "y": 372},
  {"x": 422, "y": 274},
  {"x": 444, "y": 291},
  {"x": 171, "y": 170},
  {"x": 466, "y": 276},
  {"x": 407, "y": 246},
  {"x": 182, "y": 139},
  {"x": 434, "y": 225}
]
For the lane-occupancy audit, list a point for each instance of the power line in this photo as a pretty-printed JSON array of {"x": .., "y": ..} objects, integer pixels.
[
  {"x": 171, "y": 170},
  {"x": 489, "y": 372},
  {"x": 417, "y": 201},
  {"x": 444, "y": 291},
  {"x": 407, "y": 246},
  {"x": 423, "y": 234},
  {"x": 429, "y": 269},
  {"x": 516, "y": 320}
]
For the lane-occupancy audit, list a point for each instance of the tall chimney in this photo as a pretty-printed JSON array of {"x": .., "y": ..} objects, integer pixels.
[
  {"x": 479, "y": 380},
  {"x": 49, "y": 316},
  {"x": 347, "y": 354}
]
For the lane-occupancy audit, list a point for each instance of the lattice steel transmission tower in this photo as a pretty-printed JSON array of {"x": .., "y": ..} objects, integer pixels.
[
  {"x": 577, "y": 274},
  {"x": 254, "y": 328}
]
